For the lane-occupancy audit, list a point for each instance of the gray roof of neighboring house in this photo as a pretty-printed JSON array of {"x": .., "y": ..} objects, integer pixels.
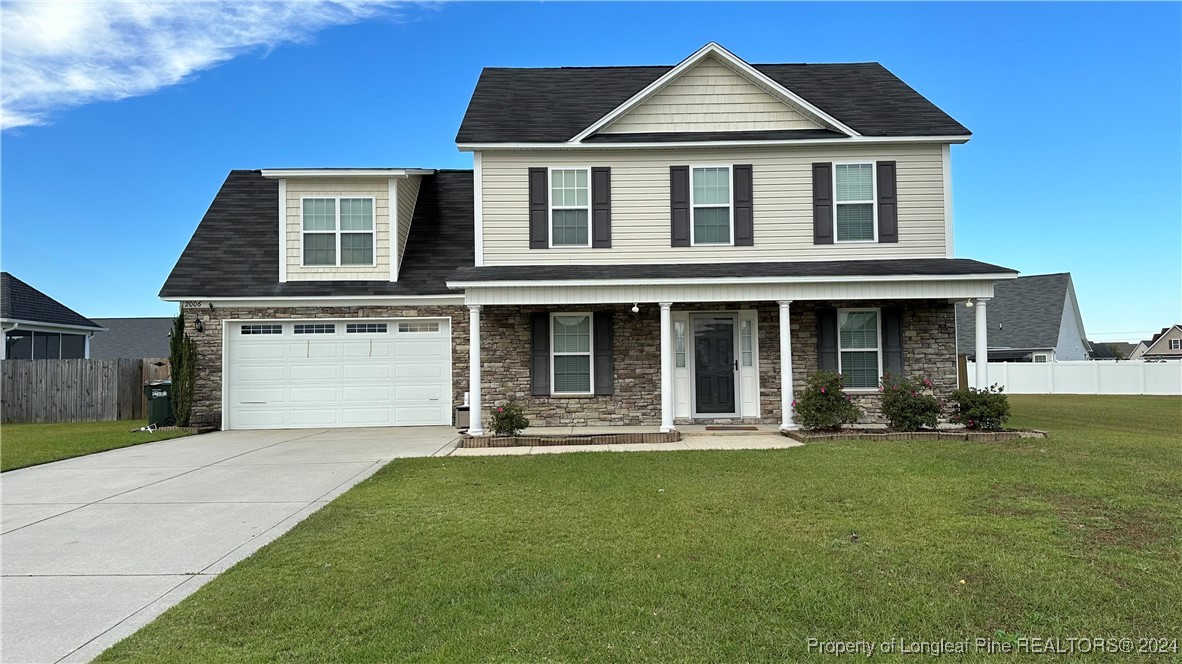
[
  {"x": 20, "y": 301},
  {"x": 1025, "y": 313},
  {"x": 235, "y": 250},
  {"x": 514, "y": 105},
  {"x": 131, "y": 337},
  {"x": 1106, "y": 350},
  {"x": 820, "y": 269}
]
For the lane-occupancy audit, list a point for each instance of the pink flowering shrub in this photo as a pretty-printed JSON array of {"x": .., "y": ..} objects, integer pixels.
[
  {"x": 824, "y": 404},
  {"x": 986, "y": 409},
  {"x": 909, "y": 404},
  {"x": 508, "y": 420}
]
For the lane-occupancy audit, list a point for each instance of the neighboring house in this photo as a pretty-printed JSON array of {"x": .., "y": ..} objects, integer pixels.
[
  {"x": 1165, "y": 345},
  {"x": 1031, "y": 319},
  {"x": 135, "y": 338},
  {"x": 1111, "y": 350},
  {"x": 35, "y": 326},
  {"x": 635, "y": 246}
]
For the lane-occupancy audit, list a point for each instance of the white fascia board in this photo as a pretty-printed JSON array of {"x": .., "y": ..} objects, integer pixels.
[
  {"x": 723, "y": 281},
  {"x": 344, "y": 172},
  {"x": 41, "y": 326},
  {"x": 326, "y": 301},
  {"x": 732, "y": 60},
  {"x": 852, "y": 140}
]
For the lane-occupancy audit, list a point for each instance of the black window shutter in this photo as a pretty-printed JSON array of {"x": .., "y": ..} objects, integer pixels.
[
  {"x": 679, "y": 205},
  {"x": 744, "y": 208},
  {"x": 604, "y": 369},
  {"x": 601, "y": 208},
  {"x": 823, "y": 203},
  {"x": 888, "y": 203},
  {"x": 539, "y": 354},
  {"x": 827, "y": 338},
  {"x": 539, "y": 209},
  {"x": 892, "y": 340}
]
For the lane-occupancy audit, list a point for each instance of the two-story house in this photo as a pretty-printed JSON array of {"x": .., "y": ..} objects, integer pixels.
[{"x": 635, "y": 245}]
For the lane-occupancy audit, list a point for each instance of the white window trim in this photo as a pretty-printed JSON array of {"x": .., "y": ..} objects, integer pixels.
[
  {"x": 373, "y": 231},
  {"x": 730, "y": 205},
  {"x": 1045, "y": 358},
  {"x": 551, "y": 207},
  {"x": 590, "y": 352},
  {"x": 1175, "y": 344},
  {"x": 873, "y": 198},
  {"x": 877, "y": 348}
]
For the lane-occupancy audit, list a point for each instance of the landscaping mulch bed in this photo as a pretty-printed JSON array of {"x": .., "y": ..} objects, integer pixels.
[
  {"x": 878, "y": 434},
  {"x": 572, "y": 439}
]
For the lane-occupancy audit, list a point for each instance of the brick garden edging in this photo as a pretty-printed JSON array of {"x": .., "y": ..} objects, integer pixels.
[
  {"x": 572, "y": 439},
  {"x": 973, "y": 436}
]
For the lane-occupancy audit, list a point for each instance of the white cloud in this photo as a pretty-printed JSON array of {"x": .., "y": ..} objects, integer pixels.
[{"x": 60, "y": 54}]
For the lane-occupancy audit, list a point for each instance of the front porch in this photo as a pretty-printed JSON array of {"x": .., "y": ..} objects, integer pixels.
[{"x": 672, "y": 365}]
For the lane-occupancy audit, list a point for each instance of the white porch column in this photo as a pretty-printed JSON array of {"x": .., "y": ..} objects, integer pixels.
[
  {"x": 475, "y": 427},
  {"x": 982, "y": 345},
  {"x": 786, "y": 395},
  {"x": 666, "y": 367}
]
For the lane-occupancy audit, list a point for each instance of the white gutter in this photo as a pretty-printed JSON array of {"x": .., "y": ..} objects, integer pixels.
[
  {"x": 33, "y": 323},
  {"x": 852, "y": 140},
  {"x": 721, "y": 281}
]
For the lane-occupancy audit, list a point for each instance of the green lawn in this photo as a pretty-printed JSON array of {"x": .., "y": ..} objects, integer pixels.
[
  {"x": 30, "y": 444},
  {"x": 721, "y": 556}
]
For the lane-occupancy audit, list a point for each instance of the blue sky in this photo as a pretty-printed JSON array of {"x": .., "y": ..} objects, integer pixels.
[{"x": 1075, "y": 108}]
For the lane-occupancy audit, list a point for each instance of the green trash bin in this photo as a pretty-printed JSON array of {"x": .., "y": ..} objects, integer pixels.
[{"x": 159, "y": 395}]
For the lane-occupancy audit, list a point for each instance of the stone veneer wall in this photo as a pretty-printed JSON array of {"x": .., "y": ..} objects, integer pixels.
[
  {"x": 929, "y": 348},
  {"x": 207, "y": 397}
]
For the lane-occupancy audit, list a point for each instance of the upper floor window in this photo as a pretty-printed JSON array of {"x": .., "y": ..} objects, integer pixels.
[
  {"x": 859, "y": 357},
  {"x": 854, "y": 186},
  {"x": 338, "y": 231},
  {"x": 710, "y": 200},
  {"x": 570, "y": 208},
  {"x": 1175, "y": 344}
]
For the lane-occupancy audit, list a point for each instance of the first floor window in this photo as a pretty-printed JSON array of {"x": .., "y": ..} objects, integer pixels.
[
  {"x": 570, "y": 208},
  {"x": 570, "y": 336},
  {"x": 28, "y": 345},
  {"x": 854, "y": 187},
  {"x": 338, "y": 231},
  {"x": 710, "y": 198},
  {"x": 1040, "y": 357},
  {"x": 858, "y": 347}
]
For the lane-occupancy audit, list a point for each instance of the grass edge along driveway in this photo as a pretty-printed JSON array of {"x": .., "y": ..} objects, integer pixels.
[
  {"x": 720, "y": 555},
  {"x": 23, "y": 445}
]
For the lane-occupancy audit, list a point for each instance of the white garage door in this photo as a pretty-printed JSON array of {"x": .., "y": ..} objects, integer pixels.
[{"x": 337, "y": 373}]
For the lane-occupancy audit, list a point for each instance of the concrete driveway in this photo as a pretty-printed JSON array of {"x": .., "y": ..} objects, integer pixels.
[{"x": 95, "y": 547}]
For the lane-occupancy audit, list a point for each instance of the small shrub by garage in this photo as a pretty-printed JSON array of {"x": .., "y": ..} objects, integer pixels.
[
  {"x": 909, "y": 403},
  {"x": 824, "y": 405},
  {"x": 986, "y": 409}
]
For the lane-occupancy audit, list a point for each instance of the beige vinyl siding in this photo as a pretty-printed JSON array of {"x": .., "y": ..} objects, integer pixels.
[
  {"x": 408, "y": 195},
  {"x": 378, "y": 188},
  {"x": 783, "y": 218},
  {"x": 710, "y": 97}
]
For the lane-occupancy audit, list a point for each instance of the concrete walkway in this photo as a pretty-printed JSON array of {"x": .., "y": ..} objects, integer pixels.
[
  {"x": 97, "y": 546},
  {"x": 749, "y": 441}
]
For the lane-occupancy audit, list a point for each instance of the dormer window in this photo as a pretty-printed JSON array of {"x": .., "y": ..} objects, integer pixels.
[
  {"x": 570, "y": 207},
  {"x": 338, "y": 231},
  {"x": 854, "y": 185},
  {"x": 710, "y": 198}
]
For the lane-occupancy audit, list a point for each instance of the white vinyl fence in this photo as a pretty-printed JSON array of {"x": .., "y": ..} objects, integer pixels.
[{"x": 1085, "y": 377}]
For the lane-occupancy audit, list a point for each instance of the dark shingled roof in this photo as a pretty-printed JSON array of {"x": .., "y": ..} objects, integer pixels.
[
  {"x": 134, "y": 338},
  {"x": 1025, "y": 313},
  {"x": 235, "y": 250},
  {"x": 820, "y": 269},
  {"x": 552, "y": 105},
  {"x": 20, "y": 301}
]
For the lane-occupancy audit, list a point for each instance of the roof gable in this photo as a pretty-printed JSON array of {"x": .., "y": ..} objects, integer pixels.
[
  {"x": 713, "y": 90},
  {"x": 1158, "y": 344},
  {"x": 21, "y": 302},
  {"x": 552, "y": 105}
]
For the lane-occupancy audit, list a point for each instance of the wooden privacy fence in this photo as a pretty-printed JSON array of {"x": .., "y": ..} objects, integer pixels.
[{"x": 76, "y": 390}]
